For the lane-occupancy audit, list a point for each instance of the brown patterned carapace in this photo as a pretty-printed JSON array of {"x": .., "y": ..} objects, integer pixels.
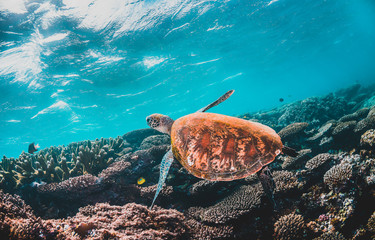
[{"x": 218, "y": 147}]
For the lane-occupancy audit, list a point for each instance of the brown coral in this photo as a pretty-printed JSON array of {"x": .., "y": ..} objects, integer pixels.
[
  {"x": 361, "y": 113},
  {"x": 198, "y": 230},
  {"x": 290, "y": 227},
  {"x": 318, "y": 161},
  {"x": 344, "y": 128},
  {"x": 368, "y": 139},
  {"x": 371, "y": 223},
  {"x": 367, "y": 143},
  {"x": 17, "y": 220},
  {"x": 131, "y": 221},
  {"x": 294, "y": 162},
  {"x": 338, "y": 175},
  {"x": 73, "y": 188},
  {"x": 285, "y": 181},
  {"x": 293, "y": 130},
  {"x": 323, "y": 130},
  {"x": 331, "y": 236},
  {"x": 365, "y": 124},
  {"x": 242, "y": 201},
  {"x": 114, "y": 171}
]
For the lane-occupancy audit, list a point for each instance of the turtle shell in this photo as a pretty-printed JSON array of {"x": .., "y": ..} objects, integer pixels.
[{"x": 218, "y": 147}]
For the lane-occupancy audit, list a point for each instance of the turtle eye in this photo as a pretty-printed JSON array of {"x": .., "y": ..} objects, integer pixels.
[
  {"x": 151, "y": 121},
  {"x": 148, "y": 120}
]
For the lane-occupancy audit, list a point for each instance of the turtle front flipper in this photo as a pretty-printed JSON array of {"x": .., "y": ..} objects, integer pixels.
[
  {"x": 268, "y": 184},
  {"x": 164, "y": 168},
  {"x": 218, "y": 101}
]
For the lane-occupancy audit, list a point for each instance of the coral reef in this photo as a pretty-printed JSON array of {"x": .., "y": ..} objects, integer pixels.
[
  {"x": 240, "y": 202},
  {"x": 285, "y": 181},
  {"x": 338, "y": 175},
  {"x": 296, "y": 162},
  {"x": 17, "y": 220},
  {"x": 199, "y": 230},
  {"x": 131, "y": 221},
  {"x": 89, "y": 189},
  {"x": 289, "y": 227},
  {"x": 292, "y": 131},
  {"x": 331, "y": 236},
  {"x": 318, "y": 161},
  {"x": 367, "y": 143},
  {"x": 56, "y": 164},
  {"x": 73, "y": 188}
]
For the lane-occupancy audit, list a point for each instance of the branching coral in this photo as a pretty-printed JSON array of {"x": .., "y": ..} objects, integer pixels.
[
  {"x": 56, "y": 164},
  {"x": 367, "y": 143},
  {"x": 290, "y": 227},
  {"x": 285, "y": 181},
  {"x": 338, "y": 175},
  {"x": 331, "y": 236},
  {"x": 371, "y": 223}
]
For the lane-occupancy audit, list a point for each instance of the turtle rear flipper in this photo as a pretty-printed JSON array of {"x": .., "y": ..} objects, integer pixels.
[
  {"x": 289, "y": 151},
  {"x": 268, "y": 184},
  {"x": 218, "y": 101}
]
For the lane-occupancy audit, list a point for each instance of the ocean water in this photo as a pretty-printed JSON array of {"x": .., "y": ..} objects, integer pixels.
[{"x": 75, "y": 70}]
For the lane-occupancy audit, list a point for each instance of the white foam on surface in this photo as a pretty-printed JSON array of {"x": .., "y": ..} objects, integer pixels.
[{"x": 60, "y": 105}]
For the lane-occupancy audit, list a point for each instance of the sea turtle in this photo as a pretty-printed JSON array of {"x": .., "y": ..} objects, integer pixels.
[{"x": 218, "y": 147}]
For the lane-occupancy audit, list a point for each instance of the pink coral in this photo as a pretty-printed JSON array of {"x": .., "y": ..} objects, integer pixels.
[
  {"x": 17, "y": 220},
  {"x": 131, "y": 221}
]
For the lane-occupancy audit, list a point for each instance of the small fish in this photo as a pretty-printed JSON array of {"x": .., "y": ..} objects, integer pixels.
[
  {"x": 141, "y": 181},
  {"x": 37, "y": 183},
  {"x": 281, "y": 99},
  {"x": 33, "y": 148}
]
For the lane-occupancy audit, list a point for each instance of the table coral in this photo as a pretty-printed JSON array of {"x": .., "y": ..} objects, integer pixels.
[
  {"x": 241, "y": 202},
  {"x": 73, "y": 188},
  {"x": 318, "y": 161},
  {"x": 293, "y": 131}
]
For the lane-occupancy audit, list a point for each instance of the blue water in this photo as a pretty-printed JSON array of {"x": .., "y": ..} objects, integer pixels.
[{"x": 74, "y": 70}]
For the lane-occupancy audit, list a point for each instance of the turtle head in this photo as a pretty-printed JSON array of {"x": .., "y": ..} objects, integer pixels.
[{"x": 160, "y": 122}]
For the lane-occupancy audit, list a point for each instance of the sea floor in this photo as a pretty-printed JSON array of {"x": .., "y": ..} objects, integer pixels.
[{"x": 94, "y": 190}]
